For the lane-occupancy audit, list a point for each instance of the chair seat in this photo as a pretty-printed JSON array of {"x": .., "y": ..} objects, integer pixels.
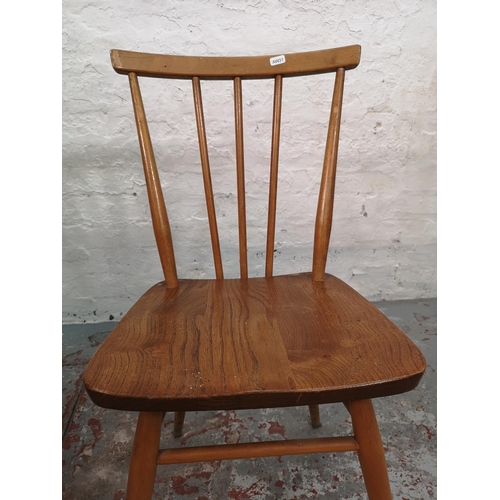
[{"x": 254, "y": 343}]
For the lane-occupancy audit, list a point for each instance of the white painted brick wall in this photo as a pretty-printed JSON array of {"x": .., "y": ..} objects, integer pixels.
[{"x": 384, "y": 231}]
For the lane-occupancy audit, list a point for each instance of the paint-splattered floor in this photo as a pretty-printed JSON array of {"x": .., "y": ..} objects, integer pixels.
[{"x": 97, "y": 442}]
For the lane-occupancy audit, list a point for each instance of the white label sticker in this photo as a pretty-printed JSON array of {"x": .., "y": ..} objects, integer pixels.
[{"x": 277, "y": 60}]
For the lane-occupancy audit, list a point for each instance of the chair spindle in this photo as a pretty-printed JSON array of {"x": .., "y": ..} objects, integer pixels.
[
  {"x": 273, "y": 176},
  {"x": 207, "y": 180},
  {"x": 324, "y": 214},
  {"x": 159, "y": 215},
  {"x": 240, "y": 176}
]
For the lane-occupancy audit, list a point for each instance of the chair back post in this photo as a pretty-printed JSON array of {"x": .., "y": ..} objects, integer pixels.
[
  {"x": 324, "y": 214},
  {"x": 240, "y": 177},
  {"x": 207, "y": 179},
  {"x": 273, "y": 175},
  {"x": 161, "y": 226}
]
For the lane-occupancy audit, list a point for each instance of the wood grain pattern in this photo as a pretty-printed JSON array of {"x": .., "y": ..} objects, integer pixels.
[
  {"x": 170, "y": 66},
  {"x": 261, "y": 342}
]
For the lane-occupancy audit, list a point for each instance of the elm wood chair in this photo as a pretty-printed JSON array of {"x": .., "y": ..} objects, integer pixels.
[{"x": 272, "y": 341}]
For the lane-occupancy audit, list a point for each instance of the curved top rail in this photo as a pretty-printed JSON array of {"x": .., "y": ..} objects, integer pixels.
[{"x": 170, "y": 66}]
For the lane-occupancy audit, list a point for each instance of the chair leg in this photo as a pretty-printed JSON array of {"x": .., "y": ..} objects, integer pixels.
[
  {"x": 178, "y": 423},
  {"x": 314, "y": 412},
  {"x": 371, "y": 452},
  {"x": 142, "y": 471}
]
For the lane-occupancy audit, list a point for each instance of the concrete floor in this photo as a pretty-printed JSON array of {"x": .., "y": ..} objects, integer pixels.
[{"x": 97, "y": 442}]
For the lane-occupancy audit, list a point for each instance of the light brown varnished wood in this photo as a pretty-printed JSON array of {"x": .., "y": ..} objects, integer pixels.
[
  {"x": 207, "y": 179},
  {"x": 240, "y": 177},
  {"x": 171, "y": 66},
  {"x": 143, "y": 461},
  {"x": 159, "y": 216},
  {"x": 315, "y": 418},
  {"x": 301, "y": 339},
  {"x": 273, "y": 176},
  {"x": 371, "y": 451},
  {"x": 324, "y": 215},
  {"x": 261, "y": 342},
  {"x": 178, "y": 423},
  {"x": 259, "y": 449}
]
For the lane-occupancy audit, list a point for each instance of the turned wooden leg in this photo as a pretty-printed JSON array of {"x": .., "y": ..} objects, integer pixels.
[
  {"x": 314, "y": 411},
  {"x": 142, "y": 471},
  {"x": 371, "y": 452},
  {"x": 178, "y": 423}
]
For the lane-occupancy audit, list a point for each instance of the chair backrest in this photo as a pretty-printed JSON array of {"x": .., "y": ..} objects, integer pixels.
[{"x": 336, "y": 60}]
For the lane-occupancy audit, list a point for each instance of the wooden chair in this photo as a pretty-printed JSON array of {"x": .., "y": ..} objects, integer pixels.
[{"x": 272, "y": 341}]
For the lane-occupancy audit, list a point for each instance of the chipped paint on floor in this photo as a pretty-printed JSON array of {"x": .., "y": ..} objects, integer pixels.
[{"x": 97, "y": 442}]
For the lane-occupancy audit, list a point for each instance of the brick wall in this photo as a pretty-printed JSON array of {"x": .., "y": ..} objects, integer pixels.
[{"x": 384, "y": 232}]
